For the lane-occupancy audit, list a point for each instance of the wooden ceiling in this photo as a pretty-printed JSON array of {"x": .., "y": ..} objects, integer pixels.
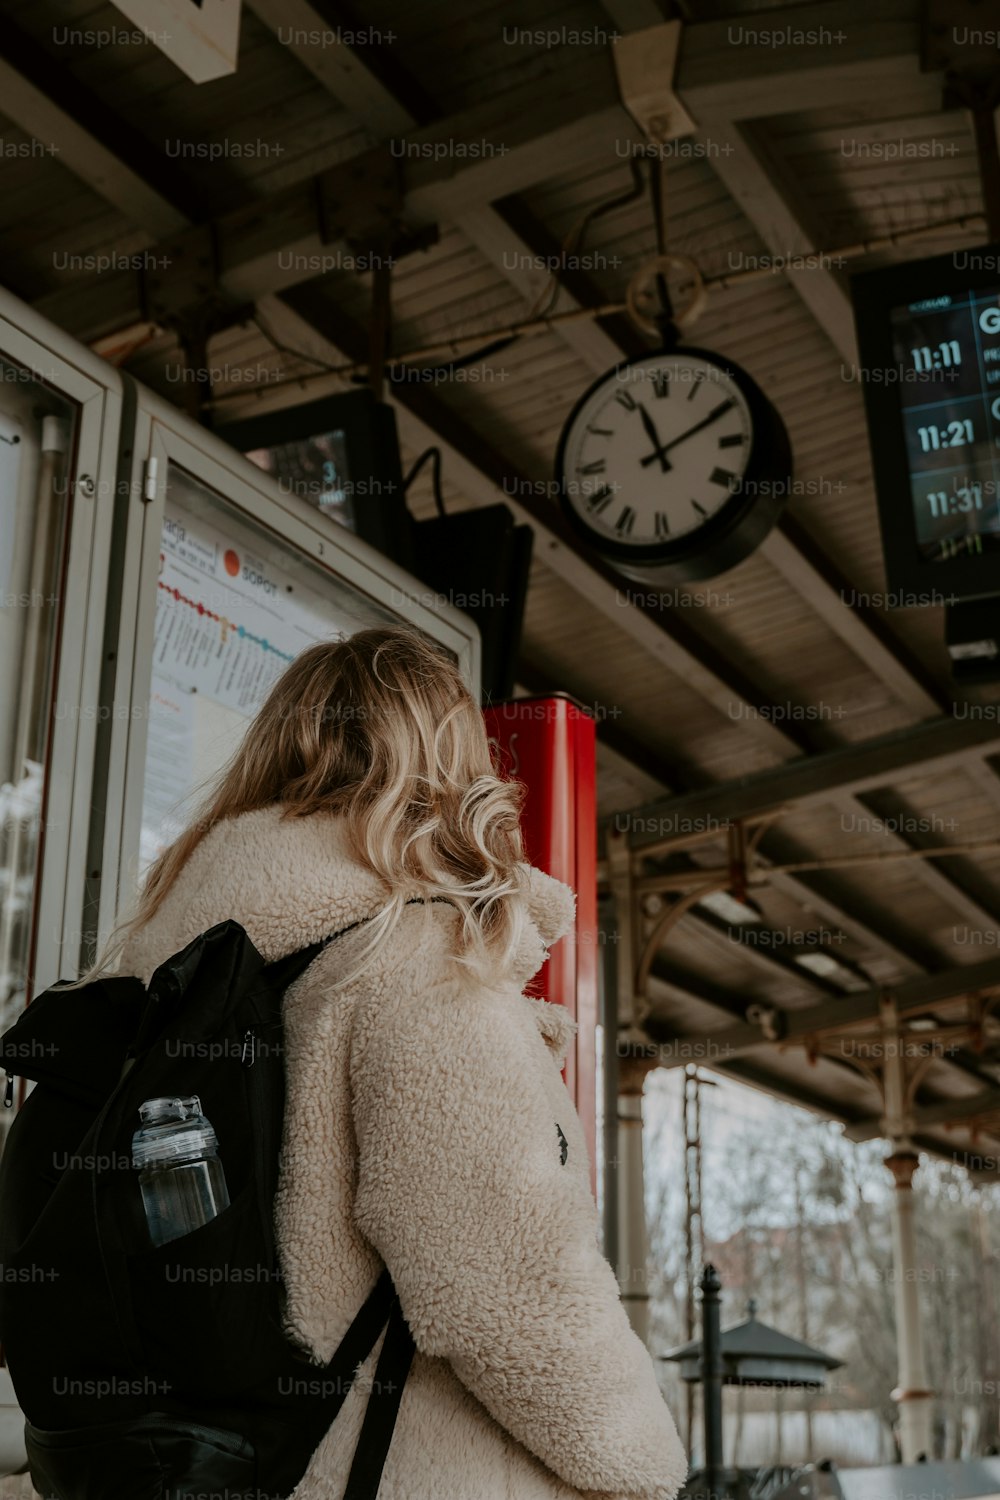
[{"x": 486, "y": 143}]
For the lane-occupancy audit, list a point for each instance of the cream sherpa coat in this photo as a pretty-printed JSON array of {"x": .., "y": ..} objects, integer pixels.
[{"x": 421, "y": 1133}]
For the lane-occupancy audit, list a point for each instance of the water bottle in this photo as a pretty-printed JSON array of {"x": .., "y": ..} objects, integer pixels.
[{"x": 181, "y": 1177}]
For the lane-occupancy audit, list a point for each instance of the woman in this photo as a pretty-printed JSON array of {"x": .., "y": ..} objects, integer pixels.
[{"x": 427, "y": 1126}]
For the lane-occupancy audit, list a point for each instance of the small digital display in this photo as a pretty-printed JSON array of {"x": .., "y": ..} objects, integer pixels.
[
  {"x": 316, "y": 470},
  {"x": 947, "y": 353}
]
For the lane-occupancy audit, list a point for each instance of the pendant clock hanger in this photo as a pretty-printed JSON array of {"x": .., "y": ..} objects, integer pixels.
[
  {"x": 648, "y": 300},
  {"x": 575, "y": 239}
]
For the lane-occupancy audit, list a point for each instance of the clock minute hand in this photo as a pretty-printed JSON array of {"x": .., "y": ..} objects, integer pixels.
[{"x": 713, "y": 416}]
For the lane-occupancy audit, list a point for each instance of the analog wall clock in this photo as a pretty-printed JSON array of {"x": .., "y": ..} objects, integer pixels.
[{"x": 674, "y": 466}]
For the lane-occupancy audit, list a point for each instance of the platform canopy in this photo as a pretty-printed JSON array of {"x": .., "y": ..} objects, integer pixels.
[{"x": 789, "y": 700}]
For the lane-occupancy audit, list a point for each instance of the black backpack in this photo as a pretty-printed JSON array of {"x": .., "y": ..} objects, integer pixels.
[{"x": 165, "y": 1373}]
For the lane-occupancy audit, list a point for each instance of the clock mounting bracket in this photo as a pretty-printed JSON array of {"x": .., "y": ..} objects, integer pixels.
[{"x": 650, "y": 304}]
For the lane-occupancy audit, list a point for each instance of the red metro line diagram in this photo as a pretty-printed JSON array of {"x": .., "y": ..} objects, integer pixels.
[{"x": 226, "y": 625}]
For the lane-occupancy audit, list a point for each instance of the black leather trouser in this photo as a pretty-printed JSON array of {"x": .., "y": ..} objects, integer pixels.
[{"x": 156, "y": 1457}]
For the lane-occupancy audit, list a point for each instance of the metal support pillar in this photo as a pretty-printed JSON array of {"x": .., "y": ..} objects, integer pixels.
[
  {"x": 633, "y": 1232},
  {"x": 914, "y": 1399},
  {"x": 632, "y": 1237},
  {"x": 609, "y": 1079},
  {"x": 989, "y": 1411},
  {"x": 635, "y": 1056}
]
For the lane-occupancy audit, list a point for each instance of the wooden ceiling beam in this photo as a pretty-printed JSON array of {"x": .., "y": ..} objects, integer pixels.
[
  {"x": 365, "y": 95},
  {"x": 445, "y": 168},
  {"x": 334, "y": 64},
  {"x": 520, "y": 140},
  {"x": 513, "y": 247},
  {"x": 816, "y": 893},
  {"x": 912, "y": 997},
  {"x": 779, "y": 1087},
  {"x": 798, "y": 557},
  {"x": 737, "y": 65},
  {"x": 737, "y": 153},
  {"x": 787, "y": 1090},
  {"x": 969, "y": 898},
  {"x": 943, "y": 1112},
  {"x": 851, "y": 52},
  {"x": 852, "y": 913},
  {"x": 44, "y": 99},
  {"x": 816, "y": 779}
]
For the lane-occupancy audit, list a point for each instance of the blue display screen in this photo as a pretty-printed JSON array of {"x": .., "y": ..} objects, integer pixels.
[{"x": 947, "y": 355}]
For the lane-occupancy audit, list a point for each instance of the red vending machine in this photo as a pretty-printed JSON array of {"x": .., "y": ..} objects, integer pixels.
[{"x": 549, "y": 745}]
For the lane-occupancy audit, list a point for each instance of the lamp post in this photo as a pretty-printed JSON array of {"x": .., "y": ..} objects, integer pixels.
[
  {"x": 712, "y": 1372},
  {"x": 748, "y": 1354}
]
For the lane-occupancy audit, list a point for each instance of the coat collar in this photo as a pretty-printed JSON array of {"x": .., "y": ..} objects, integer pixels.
[{"x": 290, "y": 881}]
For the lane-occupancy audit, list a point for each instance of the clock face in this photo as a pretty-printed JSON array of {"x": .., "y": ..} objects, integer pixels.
[{"x": 656, "y": 450}]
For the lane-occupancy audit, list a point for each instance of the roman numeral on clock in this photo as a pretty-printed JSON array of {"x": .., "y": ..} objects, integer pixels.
[
  {"x": 733, "y": 440},
  {"x": 625, "y": 521},
  {"x": 597, "y": 467},
  {"x": 660, "y": 524},
  {"x": 722, "y": 476},
  {"x": 600, "y": 499},
  {"x": 601, "y": 431},
  {"x": 626, "y": 399},
  {"x": 700, "y": 509},
  {"x": 661, "y": 383}
]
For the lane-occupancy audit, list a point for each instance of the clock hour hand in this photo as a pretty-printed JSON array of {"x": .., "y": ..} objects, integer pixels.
[
  {"x": 654, "y": 438},
  {"x": 713, "y": 416}
]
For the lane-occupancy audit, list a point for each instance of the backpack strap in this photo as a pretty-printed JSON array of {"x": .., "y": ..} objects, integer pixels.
[
  {"x": 284, "y": 971},
  {"x": 383, "y": 1407},
  {"x": 362, "y": 1336},
  {"x": 380, "y": 1310}
]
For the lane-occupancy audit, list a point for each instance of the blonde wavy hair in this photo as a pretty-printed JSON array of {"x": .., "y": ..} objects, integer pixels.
[{"x": 381, "y": 729}]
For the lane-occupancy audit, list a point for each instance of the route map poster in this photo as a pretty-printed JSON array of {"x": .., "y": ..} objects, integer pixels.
[{"x": 233, "y": 608}]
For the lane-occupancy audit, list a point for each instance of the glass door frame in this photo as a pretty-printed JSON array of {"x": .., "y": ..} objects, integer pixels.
[
  {"x": 94, "y": 387},
  {"x": 162, "y": 436}
]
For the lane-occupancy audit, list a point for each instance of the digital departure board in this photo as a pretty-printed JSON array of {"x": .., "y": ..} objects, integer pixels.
[
  {"x": 951, "y": 420},
  {"x": 929, "y": 363}
]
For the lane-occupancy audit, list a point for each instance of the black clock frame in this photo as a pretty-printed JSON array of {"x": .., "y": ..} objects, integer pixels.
[
  {"x": 875, "y": 295},
  {"x": 738, "y": 527}
]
